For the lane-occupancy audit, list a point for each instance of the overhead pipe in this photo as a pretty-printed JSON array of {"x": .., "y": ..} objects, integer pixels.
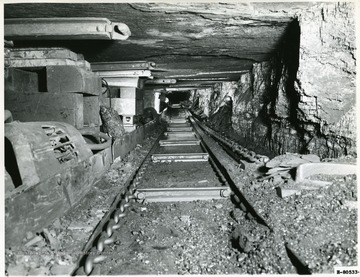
[{"x": 64, "y": 28}]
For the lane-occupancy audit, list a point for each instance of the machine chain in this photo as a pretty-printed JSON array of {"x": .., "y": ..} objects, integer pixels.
[
  {"x": 248, "y": 155},
  {"x": 106, "y": 237}
]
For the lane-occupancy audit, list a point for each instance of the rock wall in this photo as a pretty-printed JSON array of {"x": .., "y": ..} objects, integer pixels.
[
  {"x": 326, "y": 79},
  {"x": 303, "y": 99}
]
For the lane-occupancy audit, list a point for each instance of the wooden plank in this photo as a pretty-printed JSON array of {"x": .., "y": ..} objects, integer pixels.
[
  {"x": 43, "y": 53},
  {"x": 21, "y": 81},
  {"x": 72, "y": 79},
  {"x": 91, "y": 111},
  {"x": 63, "y": 107}
]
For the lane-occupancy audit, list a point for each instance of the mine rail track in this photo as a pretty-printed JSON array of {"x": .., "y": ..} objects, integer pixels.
[{"x": 179, "y": 168}]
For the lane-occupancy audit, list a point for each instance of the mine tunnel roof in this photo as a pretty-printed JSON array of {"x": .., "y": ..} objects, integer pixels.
[{"x": 189, "y": 41}]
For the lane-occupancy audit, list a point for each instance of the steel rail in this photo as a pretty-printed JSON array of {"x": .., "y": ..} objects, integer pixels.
[{"x": 247, "y": 155}]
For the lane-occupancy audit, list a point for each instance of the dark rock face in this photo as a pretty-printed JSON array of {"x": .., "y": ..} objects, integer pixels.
[
  {"x": 112, "y": 122},
  {"x": 303, "y": 99}
]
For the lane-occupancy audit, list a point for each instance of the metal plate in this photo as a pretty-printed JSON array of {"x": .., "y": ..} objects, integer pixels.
[
  {"x": 182, "y": 194},
  {"x": 179, "y": 142},
  {"x": 179, "y": 134},
  {"x": 178, "y": 120},
  {"x": 183, "y": 157},
  {"x": 174, "y": 125},
  {"x": 179, "y": 129}
]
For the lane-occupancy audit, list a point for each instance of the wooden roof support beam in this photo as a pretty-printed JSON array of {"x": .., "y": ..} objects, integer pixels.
[{"x": 65, "y": 29}]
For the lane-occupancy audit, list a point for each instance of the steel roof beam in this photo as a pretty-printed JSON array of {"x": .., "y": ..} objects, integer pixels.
[
  {"x": 122, "y": 65},
  {"x": 125, "y": 73},
  {"x": 160, "y": 82}
]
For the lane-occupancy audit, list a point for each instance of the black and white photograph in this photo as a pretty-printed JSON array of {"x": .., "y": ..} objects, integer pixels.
[{"x": 173, "y": 138}]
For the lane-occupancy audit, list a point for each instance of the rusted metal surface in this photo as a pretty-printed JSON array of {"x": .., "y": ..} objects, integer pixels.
[
  {"x": 180, "y": 157},
  {"x": 181, "y": 194},
  {"x": 65, "y": 28}
]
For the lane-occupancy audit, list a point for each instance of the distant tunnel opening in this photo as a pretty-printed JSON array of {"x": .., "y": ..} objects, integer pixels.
[{"x": 176, "y": 97}]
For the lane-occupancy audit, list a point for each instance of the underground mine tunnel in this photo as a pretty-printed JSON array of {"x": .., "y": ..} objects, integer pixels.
[{"x": 198, "y": 138}]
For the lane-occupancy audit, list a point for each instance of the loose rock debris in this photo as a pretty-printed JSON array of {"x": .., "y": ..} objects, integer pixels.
[
  {"x": 198, "y": 237},
  {"x": 212, "y": 237},
  {"x": 312, "y": 220},
  {"x": 280, "y": 166}
]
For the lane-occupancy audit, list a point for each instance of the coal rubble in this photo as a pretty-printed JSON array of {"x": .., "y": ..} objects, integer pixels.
[
  {"x": 207, "y": 237},
  {"x": 319, "y": 226}
]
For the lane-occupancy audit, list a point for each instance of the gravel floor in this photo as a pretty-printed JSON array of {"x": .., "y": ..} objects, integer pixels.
[
  {"x": 210, "y": 237},
  {"x": 319, "y": 225},
  {"x": 190, "y": 238}
]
